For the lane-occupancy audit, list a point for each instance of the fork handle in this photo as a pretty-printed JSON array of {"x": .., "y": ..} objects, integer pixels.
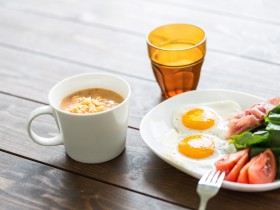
[{"x": 203, "y": 203}]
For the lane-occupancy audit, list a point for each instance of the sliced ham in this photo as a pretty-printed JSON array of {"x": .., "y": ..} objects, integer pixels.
[
  {"x": 275, "y": 101},
  {"x": 251, "y": 117}
]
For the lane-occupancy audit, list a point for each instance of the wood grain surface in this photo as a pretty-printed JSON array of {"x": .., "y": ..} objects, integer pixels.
[
  {"x": 43, "y": 42},
  {"x": 29, "y": 185}
]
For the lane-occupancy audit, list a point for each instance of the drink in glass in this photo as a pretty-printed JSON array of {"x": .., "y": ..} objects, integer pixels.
[{"x": 177, "y": 52}]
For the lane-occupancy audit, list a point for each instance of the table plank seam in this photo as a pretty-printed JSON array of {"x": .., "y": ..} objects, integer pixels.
[
  {"x": 21, "y": 97},
  {"x": 43, "y": 54},
  {"x": 219, "y": 12},
  {"x": 72, "y": 20},
  {"x": 119, "y": 30},
  {"x": 62, "y": 59},
  {"x": 245, "y": 57},
  {"x": 92, "y": 178},
  {"x": 174, "y": 4}
]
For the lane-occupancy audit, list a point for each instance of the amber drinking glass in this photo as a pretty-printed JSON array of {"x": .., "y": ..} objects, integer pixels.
[{"x": 177, "y": 53}]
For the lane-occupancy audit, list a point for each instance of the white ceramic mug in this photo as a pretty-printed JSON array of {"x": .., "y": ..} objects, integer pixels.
[{"x": 88, "y": 138}]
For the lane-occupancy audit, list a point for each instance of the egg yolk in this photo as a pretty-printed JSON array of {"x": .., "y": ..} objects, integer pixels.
[
  {"x": 197, "y": 146},
  {"x": 198, "y": 119}
]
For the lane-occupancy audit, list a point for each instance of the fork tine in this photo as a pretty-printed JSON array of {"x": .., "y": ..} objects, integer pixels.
[
  {"x": 221, "y": 178},
  {"x": 217, "y": 173},
  {"x": 204, "y": 177},
  {"x": 209, "y": 179}
]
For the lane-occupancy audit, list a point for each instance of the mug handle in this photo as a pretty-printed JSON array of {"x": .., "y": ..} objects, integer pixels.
[{"x": 51, "y": 141}]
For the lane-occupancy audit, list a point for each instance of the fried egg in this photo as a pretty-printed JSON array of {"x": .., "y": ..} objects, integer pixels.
[
  {"x": 196, "y": 153},
  {"x": 198, "y": 140},
  {"x": 205, "y": 118}
]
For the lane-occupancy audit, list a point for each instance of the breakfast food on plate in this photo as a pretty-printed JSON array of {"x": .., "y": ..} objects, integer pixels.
[
  {"x": 245, "y": 145},
  {"x": 201, "y": 130},
  {"x": 205, "y": 118},
  {"x": 258, "y": 170},
  {"x": 202, "y": 146},
  {"x": 196, "y": 152},
  {"x": 90, "y": 100},
  {"x": 261, "y": 143},
  {"x": 202, "y": 127},
  {"x": 250, "y": 117}
]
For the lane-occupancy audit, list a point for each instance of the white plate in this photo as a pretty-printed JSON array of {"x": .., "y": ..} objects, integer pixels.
[{"x": 157, "y": 124}]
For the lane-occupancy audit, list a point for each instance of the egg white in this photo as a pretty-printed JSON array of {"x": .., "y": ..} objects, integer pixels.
[
  {"x": 199, "y": 166},
  {"x": 217, "y": 133},
  {"x": 221, "y": 110}
]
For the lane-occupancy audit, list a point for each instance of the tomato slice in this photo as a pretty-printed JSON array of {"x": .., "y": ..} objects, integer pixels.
[
  {"x": 227, "y": 163},
  {"x": 262, "y": 168},
  {"x": 243, "y": 174},
  {"x": 234, "y": 173}
]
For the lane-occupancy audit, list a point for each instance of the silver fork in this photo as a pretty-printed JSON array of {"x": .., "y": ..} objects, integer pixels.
[{"x": 208, "y": 186}]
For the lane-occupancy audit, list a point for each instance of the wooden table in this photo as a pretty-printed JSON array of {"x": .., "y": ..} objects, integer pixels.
[{"x": 42, "y": 42}]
